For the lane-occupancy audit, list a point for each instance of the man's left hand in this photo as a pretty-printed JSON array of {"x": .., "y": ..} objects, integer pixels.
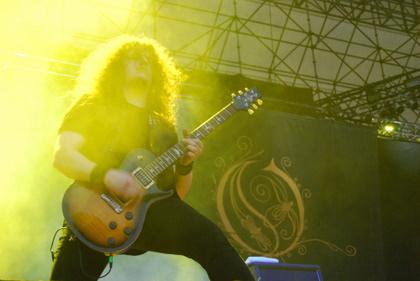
[{"x": 193, "y": 149}]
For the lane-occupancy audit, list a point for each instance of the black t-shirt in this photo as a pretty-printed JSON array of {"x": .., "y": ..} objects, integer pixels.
[{"x": 112, "y": 131}]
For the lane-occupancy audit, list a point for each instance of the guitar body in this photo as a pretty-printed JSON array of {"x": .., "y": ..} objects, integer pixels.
[{"x": 100, "y": 220}]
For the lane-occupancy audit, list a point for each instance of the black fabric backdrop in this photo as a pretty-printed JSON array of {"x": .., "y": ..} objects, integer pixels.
[
  {"x": 400, "y": 196},
  {"x": 318, "y": 202}
]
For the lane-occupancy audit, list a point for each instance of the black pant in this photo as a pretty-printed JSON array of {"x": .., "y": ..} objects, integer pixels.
[{"x": 171, "y": 226}]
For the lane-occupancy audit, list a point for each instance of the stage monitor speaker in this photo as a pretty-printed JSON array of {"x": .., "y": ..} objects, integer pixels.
[{"x": 263, "y": 271}]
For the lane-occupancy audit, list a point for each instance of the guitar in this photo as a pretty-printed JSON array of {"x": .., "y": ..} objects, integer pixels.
[{"x": 107, "y": 225}]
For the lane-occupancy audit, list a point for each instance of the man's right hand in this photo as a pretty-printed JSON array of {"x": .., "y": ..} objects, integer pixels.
[{"x": 122, "y": 184}]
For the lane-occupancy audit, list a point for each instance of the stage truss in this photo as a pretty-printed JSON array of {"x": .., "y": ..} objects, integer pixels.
[{"x": 360, "y": 58}]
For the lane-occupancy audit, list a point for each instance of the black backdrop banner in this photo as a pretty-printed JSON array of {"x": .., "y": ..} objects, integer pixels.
[
  {"x": 399, "y": 165},
  {"x": 296, "y": 188}
]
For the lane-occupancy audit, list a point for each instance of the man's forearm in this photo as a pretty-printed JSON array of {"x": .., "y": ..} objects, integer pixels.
[
  {"x": 73, "y": 164},
  {"x": 183, "y": 184}
]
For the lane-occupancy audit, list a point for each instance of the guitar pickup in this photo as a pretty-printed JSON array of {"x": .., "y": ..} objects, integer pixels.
[
  {"x": 112, "y": 203},
  {"x": 142, "y": 178}
]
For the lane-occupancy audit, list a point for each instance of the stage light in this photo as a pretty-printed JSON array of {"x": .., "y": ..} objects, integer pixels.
[
  {"x": 389, "y": 128},
  {"x": 392, "y": 129}
]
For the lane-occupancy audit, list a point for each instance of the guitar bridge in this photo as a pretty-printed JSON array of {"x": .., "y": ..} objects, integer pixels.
[{"x": 112, "y": 203}]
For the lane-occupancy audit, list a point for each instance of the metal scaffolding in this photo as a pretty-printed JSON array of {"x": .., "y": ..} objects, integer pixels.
[
  {"x": 356, "y": 56},
  {"x": 329, "y": 46}
]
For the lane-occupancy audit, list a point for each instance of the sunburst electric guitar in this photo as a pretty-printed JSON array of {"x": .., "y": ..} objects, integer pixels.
[{"x": 107, "y": 225}]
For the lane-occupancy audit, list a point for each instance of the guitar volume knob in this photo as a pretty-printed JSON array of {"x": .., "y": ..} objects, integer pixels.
[
  {"x": 128, "y": 230},
  {"x": 112, "y": 225},
  {"x": 129, "y": 215}
]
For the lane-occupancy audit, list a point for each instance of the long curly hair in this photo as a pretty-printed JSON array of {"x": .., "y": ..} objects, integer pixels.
[{"x": 102, "y": 75}]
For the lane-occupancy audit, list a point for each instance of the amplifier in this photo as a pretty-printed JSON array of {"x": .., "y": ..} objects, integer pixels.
[{"x": 278, "y": 271}]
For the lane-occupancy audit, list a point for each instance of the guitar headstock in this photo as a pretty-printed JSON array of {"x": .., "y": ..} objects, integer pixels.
[{"x": 249, "y": 99}]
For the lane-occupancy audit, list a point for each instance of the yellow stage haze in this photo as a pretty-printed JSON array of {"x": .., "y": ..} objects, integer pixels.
[{"x": 41, "y": 49}]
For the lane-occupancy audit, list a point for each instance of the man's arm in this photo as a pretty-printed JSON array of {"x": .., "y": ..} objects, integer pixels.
[
  {"x": 183, "y": 184},
  {"x": 71, "y": 162},
  {"x": 183, "y": 177}
]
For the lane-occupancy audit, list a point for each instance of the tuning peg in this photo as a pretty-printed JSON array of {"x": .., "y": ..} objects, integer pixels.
[
  {"x": 254, "y": 106},
  {"x": 240, "y": 92},
  {"x": 259, "y": 101},
  {"x": 233, "y": 95},
  {"x": 250, "y": 111},
  {"x": 246, "y": 89}
]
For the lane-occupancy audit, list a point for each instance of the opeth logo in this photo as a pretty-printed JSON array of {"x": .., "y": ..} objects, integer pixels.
[{"x": 261, "y": 206}]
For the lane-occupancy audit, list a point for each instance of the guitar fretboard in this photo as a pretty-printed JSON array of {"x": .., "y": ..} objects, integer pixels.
[{"x": 169, "y": 157}]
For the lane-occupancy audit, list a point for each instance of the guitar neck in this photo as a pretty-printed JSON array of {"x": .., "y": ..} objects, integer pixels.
[{"x": 169, "y": 157}]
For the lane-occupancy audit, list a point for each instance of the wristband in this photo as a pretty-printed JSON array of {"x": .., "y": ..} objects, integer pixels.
[
  {"x": 97, "y": 174},
  {"x": 183, "y": 170}
]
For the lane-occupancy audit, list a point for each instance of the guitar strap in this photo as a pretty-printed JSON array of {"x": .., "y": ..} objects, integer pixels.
[{"x": 161, "y": 134}]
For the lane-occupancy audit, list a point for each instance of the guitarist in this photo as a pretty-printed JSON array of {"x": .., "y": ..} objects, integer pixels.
[{"x": 127, "y": 89}]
